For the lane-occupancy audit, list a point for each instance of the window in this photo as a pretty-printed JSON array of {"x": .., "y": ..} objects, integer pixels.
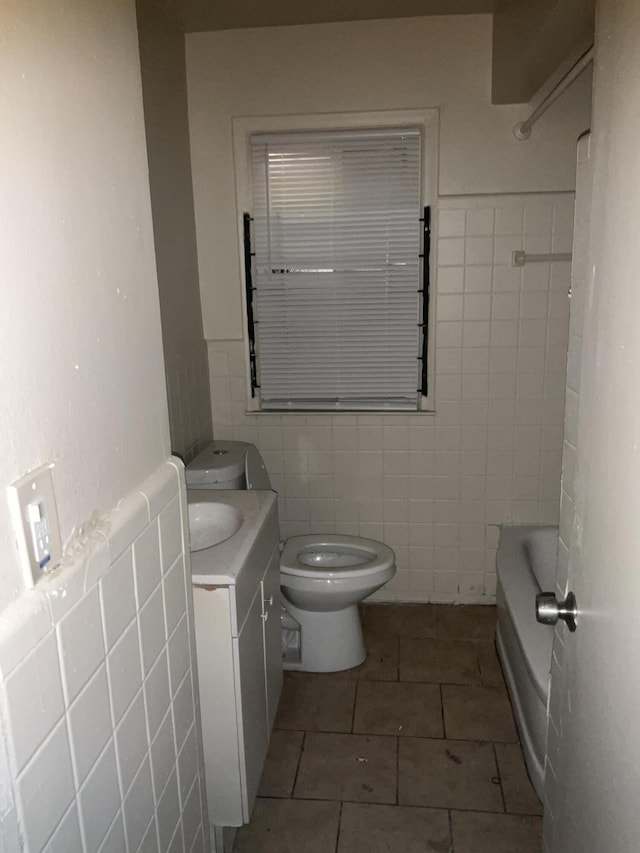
[{"x": 336, "y": 282}]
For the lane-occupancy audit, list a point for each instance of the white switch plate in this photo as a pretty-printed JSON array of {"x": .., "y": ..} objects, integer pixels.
[{"x": 35, "y": 518}]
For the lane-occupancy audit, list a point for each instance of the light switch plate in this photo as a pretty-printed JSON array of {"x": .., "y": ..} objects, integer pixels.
[{"x": 35, "y": 517}]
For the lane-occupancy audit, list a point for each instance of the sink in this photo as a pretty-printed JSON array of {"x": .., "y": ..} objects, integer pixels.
[{"x": 211, "y": 523}]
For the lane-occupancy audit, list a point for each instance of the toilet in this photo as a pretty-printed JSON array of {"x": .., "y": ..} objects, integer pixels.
[{"x": 323, "y": 576}]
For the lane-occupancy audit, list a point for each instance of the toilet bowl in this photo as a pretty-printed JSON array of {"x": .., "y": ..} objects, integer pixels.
[{"x": 323, "y": 577}]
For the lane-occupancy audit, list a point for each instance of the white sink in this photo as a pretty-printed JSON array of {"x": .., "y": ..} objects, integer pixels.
[{"x": 211, "y": 523}]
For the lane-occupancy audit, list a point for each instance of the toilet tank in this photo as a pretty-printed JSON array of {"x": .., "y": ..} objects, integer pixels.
[
  {"x": 228, "y": 465},
  {"x": 221, "y": 465}
]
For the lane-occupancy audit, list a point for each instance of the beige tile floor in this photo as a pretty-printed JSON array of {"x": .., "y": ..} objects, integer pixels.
[{"x": 415, "y": 751}]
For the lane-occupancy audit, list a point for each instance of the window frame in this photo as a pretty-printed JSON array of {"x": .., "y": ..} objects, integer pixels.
[{"x": 246, "y": 126}]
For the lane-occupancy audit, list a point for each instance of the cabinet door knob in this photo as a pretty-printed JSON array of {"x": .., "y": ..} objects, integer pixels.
[{"x": 269, "y": 601}]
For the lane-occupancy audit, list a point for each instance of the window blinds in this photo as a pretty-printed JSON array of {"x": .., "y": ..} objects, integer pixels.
[{"x": 337, "y": 269}]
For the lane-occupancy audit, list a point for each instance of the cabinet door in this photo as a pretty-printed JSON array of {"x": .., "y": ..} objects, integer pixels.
[
  {"x": 272, "y": 637},
  {"x": 251, "y": 708},
  {"x": 217, "y": 673}
]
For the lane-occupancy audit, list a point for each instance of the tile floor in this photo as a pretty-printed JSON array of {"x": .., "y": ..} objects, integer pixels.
[{"x": 415, "y": 751}]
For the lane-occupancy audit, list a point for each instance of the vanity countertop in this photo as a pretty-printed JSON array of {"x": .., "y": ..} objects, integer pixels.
[{"x": 222, "y": 564}]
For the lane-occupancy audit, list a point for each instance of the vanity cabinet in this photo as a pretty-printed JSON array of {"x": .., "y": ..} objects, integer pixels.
[{"x": 237, "y": 627}]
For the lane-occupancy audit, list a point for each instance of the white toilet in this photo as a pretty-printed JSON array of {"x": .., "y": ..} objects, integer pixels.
[{"x": 322, "y": 576}]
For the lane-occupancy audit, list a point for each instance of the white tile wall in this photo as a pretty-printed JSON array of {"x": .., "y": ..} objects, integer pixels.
[
  {"x": 434, "y": 486},
  {"x": 98, "y": 691},
  {"x": 188, "y": 399}
]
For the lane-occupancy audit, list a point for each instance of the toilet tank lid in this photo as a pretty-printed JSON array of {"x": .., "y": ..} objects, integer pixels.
[{"x": 219, "y": 462}]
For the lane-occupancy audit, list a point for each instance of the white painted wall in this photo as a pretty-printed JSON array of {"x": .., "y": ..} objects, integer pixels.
[
  {"x": 164, "y": 85},
  {"x": 440, "y": 62},
  {"x": 98, "y": 689},
  {"x": 82, "y": 383}
]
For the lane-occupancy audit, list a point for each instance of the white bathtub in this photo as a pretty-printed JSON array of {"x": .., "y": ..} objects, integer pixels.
[{"x": 526, "y": 565}]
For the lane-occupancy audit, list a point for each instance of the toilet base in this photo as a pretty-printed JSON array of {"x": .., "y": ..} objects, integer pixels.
[{"x": 330, "y": 641}]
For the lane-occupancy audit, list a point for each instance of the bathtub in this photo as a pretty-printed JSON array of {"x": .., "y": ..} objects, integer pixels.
[{"x": 526, "y": 565}]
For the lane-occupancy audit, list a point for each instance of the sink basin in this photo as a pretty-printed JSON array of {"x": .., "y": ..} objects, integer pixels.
[{"x": 211, "y": 523}]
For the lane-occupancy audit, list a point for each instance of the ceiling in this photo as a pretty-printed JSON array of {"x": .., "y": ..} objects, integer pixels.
[
  {"x": 532, "y": 39},
  {"x": 201, "y": 15}
]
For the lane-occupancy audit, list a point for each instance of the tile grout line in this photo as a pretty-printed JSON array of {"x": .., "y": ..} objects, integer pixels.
[
  {"x": 353, "y": 710},
  {"x": 495, "y": 756},
  {"x": 397, "y": 678},
  {"x": 339, "y": 826},
  {"x": 474, "y": 739},
  {"x": 444, "y": 727},
  {"x": 473, "y": 810},
  {"x": 295, "y": 778},
  {"x": 478, "y": 664},
  {"x": 397, "y": 771}
]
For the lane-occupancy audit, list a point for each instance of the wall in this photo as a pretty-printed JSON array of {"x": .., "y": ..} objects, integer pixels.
[
  {"x": 440, "y": 62},
  {"x": 164, "y": 86},
  {"x": 200, "y": 16},
  {"x": 435, "y": 487},
  {"x": 532, "y": 41},
  {"x": 99, "y": 698},
  {"x": 83, "y": 386},
  {"x": 79, "y": 326}
]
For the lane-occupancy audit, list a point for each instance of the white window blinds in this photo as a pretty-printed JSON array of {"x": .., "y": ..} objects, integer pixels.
[{"x": 337, "y": 269}]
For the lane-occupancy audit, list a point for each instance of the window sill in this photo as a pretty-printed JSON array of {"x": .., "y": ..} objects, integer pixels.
[{"x": 298, "y": 413}]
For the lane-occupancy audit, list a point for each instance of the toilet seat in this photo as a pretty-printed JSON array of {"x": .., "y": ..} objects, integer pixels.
[{"x": 337, "y": 557}]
